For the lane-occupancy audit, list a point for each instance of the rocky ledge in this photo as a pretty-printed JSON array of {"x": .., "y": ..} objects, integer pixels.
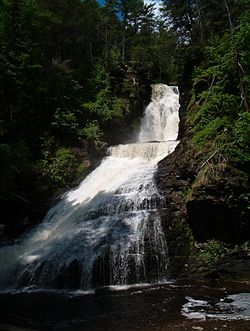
[{"x": 207, "y": 220}]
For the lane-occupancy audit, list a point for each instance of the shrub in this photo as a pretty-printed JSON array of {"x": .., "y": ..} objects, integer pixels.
[
  {"x": 61, "y": 169},
  {"x": 213, "y": 250}
]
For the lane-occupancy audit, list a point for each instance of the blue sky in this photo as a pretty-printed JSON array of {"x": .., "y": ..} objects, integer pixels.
[{"x": 157, "y": 2}]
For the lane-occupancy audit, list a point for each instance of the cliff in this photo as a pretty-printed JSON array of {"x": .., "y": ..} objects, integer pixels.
[{"x": 207, "y": 220}]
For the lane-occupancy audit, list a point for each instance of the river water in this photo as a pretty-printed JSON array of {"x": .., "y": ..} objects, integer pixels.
[{"x": 172, "y": 306}]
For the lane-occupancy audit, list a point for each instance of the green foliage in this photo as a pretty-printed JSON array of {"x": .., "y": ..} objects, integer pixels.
[
  {"x": 94, "y": 135},
  {"x": 100, "y": 79},
  {"x": 218, "y": 83},
  {"x": 239, "y": 147},
  {"x": 186, "y": 192},
  {"x": 65, "y": 120},
  {"x": 106, "y": 105},
  {"x": 92, "y": 131},
  {"x": 213, "y": 251},
  {"x": 61, "y": 168},
  {"x": 215, "y": 117}
]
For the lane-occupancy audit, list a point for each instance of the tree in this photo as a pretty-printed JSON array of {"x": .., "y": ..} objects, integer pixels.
[
  {"x": 131, "y": 12},
  {"x": 111, "y": 27},
  {"x": 181, "y": 16}
]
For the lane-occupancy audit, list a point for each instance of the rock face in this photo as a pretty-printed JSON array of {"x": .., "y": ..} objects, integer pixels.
[
  {"x": 172, "y": 181},
  {"x": 206, "y": 201}
]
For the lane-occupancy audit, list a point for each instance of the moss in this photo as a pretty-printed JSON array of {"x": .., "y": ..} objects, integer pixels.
[
  {"x": 221, "y": 181},
  {"x": 214, "y": 260},
  {"x": 192, "y": 108},
  {"x": 186, "y": 193}
]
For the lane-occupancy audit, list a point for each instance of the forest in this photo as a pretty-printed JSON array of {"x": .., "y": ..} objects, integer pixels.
[{"x": 76, "y": 75}]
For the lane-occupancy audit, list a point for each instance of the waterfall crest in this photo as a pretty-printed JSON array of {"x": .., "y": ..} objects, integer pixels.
[{"x": 108, "y": 230}]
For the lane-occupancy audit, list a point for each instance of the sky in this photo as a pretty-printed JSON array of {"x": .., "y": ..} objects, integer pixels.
[{"x": 157, "y": 3}]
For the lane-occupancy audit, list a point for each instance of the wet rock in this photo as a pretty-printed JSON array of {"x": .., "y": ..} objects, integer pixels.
[{"x": 205, "y": 202}]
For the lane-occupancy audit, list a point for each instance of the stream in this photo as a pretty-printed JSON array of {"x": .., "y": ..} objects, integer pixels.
[{"x": 169, "y": 306}]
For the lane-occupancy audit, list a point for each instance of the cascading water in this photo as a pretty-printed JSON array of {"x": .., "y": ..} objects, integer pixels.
[
  {"x": 108, "y": 230},
  {"x": 161, "y": 119}
]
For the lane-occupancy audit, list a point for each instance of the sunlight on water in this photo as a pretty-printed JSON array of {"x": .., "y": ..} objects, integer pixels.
[{"x": 232, "y": 307}]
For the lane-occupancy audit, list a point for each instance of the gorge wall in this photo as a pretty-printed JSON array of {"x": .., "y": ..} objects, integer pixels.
[{"x": 207, "y": 224}]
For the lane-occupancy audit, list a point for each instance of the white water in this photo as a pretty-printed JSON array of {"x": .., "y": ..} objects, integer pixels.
[
  {"x": 108, "y": 230},
  {"x": 161, "y": 125}
]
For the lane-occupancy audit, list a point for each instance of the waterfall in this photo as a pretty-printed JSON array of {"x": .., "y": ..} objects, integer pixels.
[
  {"x": 161, "y": 119},
  {"x": 108, "y": 230}
]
